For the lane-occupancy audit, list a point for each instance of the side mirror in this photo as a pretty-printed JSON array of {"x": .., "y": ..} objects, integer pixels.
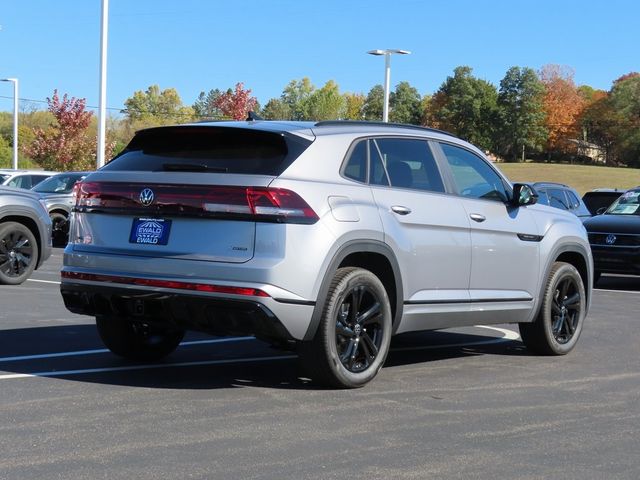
[{"x": 523, "y": 194}]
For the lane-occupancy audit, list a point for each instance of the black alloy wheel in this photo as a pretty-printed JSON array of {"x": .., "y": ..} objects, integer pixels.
[
  {"x": 18, "y": 253},
  {"x": 559, "y": 322},
  {"x": 353, "y": 336},
  {"x": 359, "y": 329},
  {"x": 566, "y": 308}
]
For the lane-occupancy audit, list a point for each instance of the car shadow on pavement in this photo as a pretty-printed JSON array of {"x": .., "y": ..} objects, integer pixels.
[{"x": 75, "y": 353}]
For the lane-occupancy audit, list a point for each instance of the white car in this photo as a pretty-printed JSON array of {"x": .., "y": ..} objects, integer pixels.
[{"x": 23, "y": 178}]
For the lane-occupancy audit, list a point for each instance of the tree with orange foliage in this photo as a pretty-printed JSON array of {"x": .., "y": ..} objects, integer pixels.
[{"x": 562, "y": 105}]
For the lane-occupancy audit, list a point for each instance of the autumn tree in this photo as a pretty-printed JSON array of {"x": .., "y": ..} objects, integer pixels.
[
  {"x": 6, "y": 153},
  {"x": 237, "y": 103},
  {"x": 466, "y": 106},
  {"x": 562, "y": 105},
  {"x": 521, "y": 113},
  {"x": 66, "y": 145}
]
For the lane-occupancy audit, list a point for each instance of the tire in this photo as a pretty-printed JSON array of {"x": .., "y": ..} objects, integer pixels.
[
  {"x": 18, "y": 253},
  {"x": 59, "y": 229},
  {"x": 137, "y": 341},
  {"x": 559, "y": 323},
  {"x": 351, "y": 343}
]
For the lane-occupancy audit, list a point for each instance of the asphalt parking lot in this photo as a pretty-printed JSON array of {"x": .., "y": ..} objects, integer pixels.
[{"x": 465, "y": 403}]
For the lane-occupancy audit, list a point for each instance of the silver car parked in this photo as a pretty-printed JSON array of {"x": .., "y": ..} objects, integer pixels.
[
  {"x": 25, "y": 234},
  {"x": 328, "y": 237}
]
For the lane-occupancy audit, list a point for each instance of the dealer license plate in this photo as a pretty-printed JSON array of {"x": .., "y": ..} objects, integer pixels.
[{"x": 150, "y": 231}]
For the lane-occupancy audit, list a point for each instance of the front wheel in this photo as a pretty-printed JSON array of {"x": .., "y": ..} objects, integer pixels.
[
  {"x": 137, "y": 341},
  {"x": 559, "y": 323},
  {"x": 18, "y": 253},
  {"x": 354, "y": 334}
]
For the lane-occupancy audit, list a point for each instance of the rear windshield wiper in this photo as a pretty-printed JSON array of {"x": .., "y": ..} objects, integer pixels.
[{"x": 192, "y": 167}]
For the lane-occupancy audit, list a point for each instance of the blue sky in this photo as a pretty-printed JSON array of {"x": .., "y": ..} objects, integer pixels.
[{"x": 196, "y": 45}]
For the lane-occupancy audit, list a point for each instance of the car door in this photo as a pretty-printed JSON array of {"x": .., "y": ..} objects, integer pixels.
[
  {"x": 505, "y": 258},
  {"x": 426, "y": 228}
]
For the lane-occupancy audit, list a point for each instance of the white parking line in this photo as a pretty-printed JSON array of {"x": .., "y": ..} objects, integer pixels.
[
  {"x": 105, "y": 350},
  {"x": 508, "y": 335},
  {"x": 42, "y": 281}
]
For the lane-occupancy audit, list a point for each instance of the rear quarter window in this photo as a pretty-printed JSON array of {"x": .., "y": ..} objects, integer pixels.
[{"x": 216, "y": 149}]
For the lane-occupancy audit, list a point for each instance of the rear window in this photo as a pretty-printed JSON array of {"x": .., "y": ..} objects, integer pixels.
[{"x": 211, "y": 149}]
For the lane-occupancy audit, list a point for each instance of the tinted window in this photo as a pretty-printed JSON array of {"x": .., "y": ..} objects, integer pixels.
[
  {"x": 409, "y": 164},
  {"x": 59, "y": 183},
  {"x": 574, "y": 202},
  {"x": 557, "y": 198},
  {"x": 356, "y": 167},
  {"x": 543, "y": 198},
  {"x": 215, "y": 149},
  {"x": 473, "y": 176},
  {"x": 378, "y": 171},
  {"x": 22, "y": 181}
]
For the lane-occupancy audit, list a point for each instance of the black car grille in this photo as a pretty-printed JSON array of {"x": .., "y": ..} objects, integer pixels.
[{"x": 613, "y": 239}]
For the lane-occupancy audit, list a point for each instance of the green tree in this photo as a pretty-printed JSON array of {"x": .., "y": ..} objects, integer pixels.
[
  {"x": 296, "y": 97},
  {"x": 276, "y": 109},
  {"x": 205, "y": 105},
  {"x": 466, "y": 106},
  {"x": 520, "y": 103},
  {"x": 157, "y": 107},
  {"x": 6, "y": 153},
  {"x": 404, "y": 104},
  {"x": 354, "y": 106},
  {"x": 326, "y": 103},
  {"x": 625, "y": 101},
  {"x": 373, "y": 104}
]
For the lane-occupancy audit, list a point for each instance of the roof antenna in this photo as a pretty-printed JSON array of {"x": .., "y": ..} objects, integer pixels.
[{"x": 252, "y": 116}]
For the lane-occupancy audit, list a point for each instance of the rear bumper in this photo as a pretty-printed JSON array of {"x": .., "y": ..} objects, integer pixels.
[{"x": 204, "y": 313}]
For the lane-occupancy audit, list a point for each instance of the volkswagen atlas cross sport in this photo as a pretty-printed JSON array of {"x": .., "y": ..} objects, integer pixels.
[{"x": 327, "y": 237}]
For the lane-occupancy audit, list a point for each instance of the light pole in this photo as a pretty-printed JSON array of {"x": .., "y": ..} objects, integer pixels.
[
  {"x": 102, "y": 105},
  {"x": 387, "y": 76},
  {"x": 15, "y": 119}
]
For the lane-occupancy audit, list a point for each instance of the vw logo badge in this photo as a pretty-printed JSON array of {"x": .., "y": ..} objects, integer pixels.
[
  {"x": 146, "y": 197},
  {"x": 611, "y": 239}
]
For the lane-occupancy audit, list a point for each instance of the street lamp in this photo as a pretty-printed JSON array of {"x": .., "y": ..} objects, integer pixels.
[
  {"x": 387, "y": 76},
  {"x": 15, "y": 119}
]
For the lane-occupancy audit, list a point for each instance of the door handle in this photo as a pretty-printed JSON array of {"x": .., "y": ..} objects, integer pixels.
[
  {"x": 400, "y": 210},
  {"x": 476, "y": 217}
]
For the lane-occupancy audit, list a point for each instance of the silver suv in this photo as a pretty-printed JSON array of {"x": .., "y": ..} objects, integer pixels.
[
  {"x": 328, "y": 237},
  {"x": 25, "y": 234}
]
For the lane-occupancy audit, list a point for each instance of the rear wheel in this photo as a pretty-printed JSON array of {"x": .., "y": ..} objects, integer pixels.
[
  {"x": 354, "y": 334},
  {"x": 135, "y": 340},
  {"x": 59, "y": 229},
  {"x": 559, "y": 323},
  {"x": 18, "y": 253}
]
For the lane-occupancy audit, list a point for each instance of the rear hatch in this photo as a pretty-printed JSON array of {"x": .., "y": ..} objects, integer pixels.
[{"x": 189, "y": 193}]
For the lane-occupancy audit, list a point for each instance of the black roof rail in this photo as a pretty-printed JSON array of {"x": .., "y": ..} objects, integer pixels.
[
  {"x": 338, "y": 123},
  {"x": 555, "y": 184}
]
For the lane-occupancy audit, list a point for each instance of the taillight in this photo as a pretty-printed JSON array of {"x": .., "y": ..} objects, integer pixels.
[{"x": 260, "y": 204}]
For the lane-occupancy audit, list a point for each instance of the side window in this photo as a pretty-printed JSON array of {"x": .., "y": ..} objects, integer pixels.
[
  {"x": 21, "y": 181},
  {"x": 543, "y": 198},
  {"x": 356, "y": 167},
  {"x": 574, "y": 202},
  {"x": 409, "y": 163},
  {"x": 473, "y": 176},
  {"x": 557, "y": 198},
  {"x": 378, "y": 175},
  {"x": 36, "y": 179}
]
